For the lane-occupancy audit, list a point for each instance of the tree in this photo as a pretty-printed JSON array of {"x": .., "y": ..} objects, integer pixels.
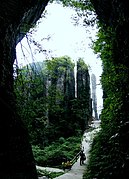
[{"x": 31, "y": 94}]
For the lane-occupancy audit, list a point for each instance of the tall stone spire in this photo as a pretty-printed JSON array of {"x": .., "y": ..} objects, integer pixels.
[{"x": 94, "y": 98}]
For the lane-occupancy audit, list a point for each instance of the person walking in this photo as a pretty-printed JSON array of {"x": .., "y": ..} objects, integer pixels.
[{"x": 82, "y": 157}]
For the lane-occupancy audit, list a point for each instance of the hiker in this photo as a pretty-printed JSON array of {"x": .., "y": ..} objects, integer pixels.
[{"x": 82, "y": 157}]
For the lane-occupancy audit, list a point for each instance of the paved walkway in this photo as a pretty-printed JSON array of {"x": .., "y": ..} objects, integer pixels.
[{"x": 77, "y": 171}]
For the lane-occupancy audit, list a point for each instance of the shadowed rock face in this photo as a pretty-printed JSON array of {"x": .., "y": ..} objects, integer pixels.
[
  {"x": 16, "y": 159},
  {"x": 21, "y": 14}
]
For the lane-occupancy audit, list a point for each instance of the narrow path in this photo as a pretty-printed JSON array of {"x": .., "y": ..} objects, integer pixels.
[{"x": 77, "y": 171}]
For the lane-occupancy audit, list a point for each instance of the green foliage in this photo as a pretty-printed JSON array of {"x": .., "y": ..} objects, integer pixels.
[
  {"x": 30, "y": 91},
  {"x": 110, "y": 150},
  {"x": 84, "y": 11},
  {"x": 83, "y": 92},
  {"x": 54, "y": 154},
  {"x": 46, "y": 100},
  {"x": 82, "y": 4}
]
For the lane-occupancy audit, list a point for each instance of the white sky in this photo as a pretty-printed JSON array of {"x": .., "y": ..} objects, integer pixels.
[{"x": 66, "y": 39}]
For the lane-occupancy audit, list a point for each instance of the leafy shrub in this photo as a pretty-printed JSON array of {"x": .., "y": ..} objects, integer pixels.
[{"x": 54, "y": 154}]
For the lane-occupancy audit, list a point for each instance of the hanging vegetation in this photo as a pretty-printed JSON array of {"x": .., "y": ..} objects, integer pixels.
[{"x": 110, "y": 150}]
